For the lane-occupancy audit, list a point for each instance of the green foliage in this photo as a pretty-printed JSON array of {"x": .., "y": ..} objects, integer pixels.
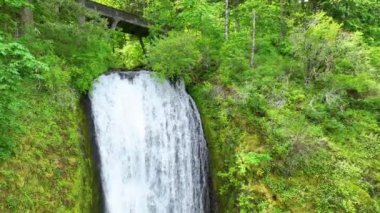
[
  {"x": 357, "y": 15},
  {"x": 198, "y": 15},
  {"x": 309, "y": 106},
  {"x": 175, "y": 56},
  {"x": 324, "y": 48},
  {"x": 161, "y": 13},
  {"x": 131, "y": 54},
  {"x": 79, "y": 50},
  {"x": 15, "y": 3},
  {"x": 132, "y": 6},
  {"x": 234, "y": 57},
  {"x": 267, "y": 17},
  {"x": 250, "y": 159},
  {"x": 16, "y": 63}
]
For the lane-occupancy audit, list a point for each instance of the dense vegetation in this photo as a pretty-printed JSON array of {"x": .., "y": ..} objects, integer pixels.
[
  {"x": 46, "y": 61},
  {"x": 292, "y": 122}
]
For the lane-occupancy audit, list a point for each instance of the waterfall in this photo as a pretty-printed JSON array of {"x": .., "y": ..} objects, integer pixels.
[{"x": 153, "y": 154}]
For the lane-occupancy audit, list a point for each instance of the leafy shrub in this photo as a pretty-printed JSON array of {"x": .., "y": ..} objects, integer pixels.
[
  {"x": 175, "y": 56},
  {"x": 323, "y": 48},
  {"x": 16, "y": 64}
]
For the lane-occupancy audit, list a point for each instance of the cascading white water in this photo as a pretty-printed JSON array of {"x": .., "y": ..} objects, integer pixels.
[{"x": 153, "y": 153}]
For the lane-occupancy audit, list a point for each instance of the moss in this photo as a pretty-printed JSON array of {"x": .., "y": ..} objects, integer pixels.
[
  {"x": 51, "y": 169},
  {"x": 215, "y": 133}
]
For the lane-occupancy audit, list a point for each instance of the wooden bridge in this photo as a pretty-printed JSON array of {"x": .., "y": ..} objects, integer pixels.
[{"x": 127, "y": 22}]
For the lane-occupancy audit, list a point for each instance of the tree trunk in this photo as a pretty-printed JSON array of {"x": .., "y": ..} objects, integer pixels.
[
  {"x": 283, "y": 20},
  {"x": 237, "y": 2},
  {"x": 27, "y": 19},
  {"x": 82, "y": 18},
  {"x": 253, "y": 39},
  {"x": 226, "y": 22}
]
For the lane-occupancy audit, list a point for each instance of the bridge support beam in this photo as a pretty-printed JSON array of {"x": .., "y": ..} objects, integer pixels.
[
  {"x": 142, "y": 45},
  {"x": 115, "y": 21}
]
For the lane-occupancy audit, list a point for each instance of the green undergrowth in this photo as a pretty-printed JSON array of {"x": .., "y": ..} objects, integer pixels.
[
  {"x": 46, "y": 64},
  {"x": 292, "y": 157},
  {"x": 289, "y": 152},
  {"x": 286, "y": 139},
  {"x": 50, "y": 170}
]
